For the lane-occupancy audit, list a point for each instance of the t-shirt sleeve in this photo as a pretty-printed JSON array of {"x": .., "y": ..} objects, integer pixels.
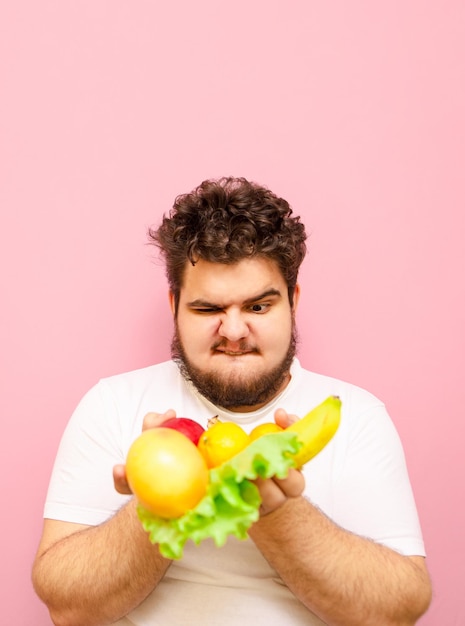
[
  {"x": 373, "y": 495},
  {"x": 81, "y": 487}
]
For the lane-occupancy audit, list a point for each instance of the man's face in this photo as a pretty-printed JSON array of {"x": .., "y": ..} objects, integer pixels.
[{"x": 234, "y": 335}]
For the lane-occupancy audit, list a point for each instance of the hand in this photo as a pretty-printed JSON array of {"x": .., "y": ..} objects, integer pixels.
[
  {"x": 276, "y": 491},
  {"x": 151, "y": 420}
]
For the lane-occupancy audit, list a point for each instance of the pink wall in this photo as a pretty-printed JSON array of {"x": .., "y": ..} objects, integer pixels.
[{"x": 354, "y": 111}]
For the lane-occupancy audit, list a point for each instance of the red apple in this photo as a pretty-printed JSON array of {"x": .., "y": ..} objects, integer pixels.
[{"x": 186, "y": 426}]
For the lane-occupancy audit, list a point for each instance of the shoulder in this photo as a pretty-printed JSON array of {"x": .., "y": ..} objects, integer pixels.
[
  {"x": 158, "y": 374},
  {"x": 117, "y": 404},
  {"x": 149, "y": 388},
  {"x": 316, "y": 387}
]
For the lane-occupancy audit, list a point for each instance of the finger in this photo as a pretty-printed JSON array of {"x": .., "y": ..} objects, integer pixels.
[
  {"x": 275, "y": 491},
  {"x": 271, "y": 495},
  {"x": 293, "y": 485},
  {"x": 152, "y": 420},
  {"x": 284, "y": 419},
  {"x": 120, "y": 480}
]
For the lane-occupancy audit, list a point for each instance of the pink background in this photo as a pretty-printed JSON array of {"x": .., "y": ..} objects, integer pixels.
[{"x": 353, "y": 111}]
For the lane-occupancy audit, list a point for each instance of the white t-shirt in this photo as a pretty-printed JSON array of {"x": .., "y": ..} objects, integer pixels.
[{"x": 359, "y": 480}]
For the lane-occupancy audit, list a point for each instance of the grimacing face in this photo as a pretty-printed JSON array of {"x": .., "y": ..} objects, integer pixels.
[{"x": 235, "y": 331}]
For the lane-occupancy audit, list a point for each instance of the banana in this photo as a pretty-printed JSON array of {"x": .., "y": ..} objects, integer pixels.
[{"x": 316, "y": 429}]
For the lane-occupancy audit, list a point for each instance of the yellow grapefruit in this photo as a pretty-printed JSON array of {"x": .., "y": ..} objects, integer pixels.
[{"x": 166, "y": 472}]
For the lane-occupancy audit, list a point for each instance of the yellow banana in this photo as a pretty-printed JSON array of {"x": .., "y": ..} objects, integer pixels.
[{"x": 316, "y": 429}]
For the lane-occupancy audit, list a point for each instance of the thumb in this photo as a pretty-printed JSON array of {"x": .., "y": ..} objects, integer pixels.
[
  {"x": 152, "y": 420},
  {"x": 283, "y": 418}
]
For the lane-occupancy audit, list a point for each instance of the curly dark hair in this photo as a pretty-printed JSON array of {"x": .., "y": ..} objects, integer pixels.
[{"x": 225, "y": 220}]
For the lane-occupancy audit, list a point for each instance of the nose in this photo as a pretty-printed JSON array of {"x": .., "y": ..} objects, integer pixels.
[{"x": 233, "y": 326}]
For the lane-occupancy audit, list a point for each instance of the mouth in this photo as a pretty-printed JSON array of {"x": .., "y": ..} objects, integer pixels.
[
  {"x": 235, "y": 353},
  {"x": 229, "y": 353}
]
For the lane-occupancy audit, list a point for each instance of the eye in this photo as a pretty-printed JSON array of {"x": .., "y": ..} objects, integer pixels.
[
  {"x": 207, "y": 310},
  {"x": 259, "y": 308}
]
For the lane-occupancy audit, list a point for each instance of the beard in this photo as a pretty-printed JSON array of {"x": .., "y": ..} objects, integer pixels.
[{"x": 230, "y": 391}]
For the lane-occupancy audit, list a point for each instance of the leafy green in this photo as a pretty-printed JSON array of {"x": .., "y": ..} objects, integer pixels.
[{"x": 231, "y": 504}]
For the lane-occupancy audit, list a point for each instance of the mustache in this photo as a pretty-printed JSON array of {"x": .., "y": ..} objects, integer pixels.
[{"x": 243, "y": 346}]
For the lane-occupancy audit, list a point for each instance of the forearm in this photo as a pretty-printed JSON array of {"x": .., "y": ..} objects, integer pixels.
[
  {"x": 343, "y": 578},
  {"x": 98, "y": 575}
]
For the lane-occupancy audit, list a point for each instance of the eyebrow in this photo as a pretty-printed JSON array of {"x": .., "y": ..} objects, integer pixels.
[{"x": 199, "y": 302}]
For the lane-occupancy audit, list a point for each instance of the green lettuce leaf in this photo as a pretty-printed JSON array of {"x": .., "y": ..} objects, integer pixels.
[{"x": 231, "y": 504}]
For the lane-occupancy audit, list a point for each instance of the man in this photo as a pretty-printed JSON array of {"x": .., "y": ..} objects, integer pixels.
[{"x": 338, "y": 543}]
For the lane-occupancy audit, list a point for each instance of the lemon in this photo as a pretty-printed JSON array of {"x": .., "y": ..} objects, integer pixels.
[{"x": 222, "y": 441}]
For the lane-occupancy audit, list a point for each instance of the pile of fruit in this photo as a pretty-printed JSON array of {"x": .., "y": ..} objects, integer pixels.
[{"x": 193, "y": 483}]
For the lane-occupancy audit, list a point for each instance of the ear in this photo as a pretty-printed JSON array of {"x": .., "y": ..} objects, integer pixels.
[
  {"x": 296, "y": 297},
  {"x": 171, "y": 301}
]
